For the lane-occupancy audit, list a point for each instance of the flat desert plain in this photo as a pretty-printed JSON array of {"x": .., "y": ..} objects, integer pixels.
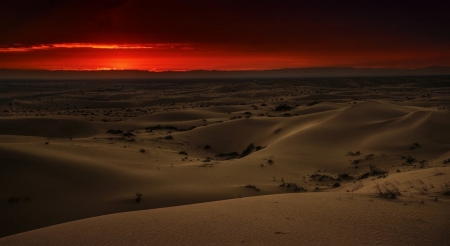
[{"x": 320, "y": 161}]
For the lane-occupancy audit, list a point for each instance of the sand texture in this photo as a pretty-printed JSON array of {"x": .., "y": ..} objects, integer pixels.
[{"x": 259, "y": 162}]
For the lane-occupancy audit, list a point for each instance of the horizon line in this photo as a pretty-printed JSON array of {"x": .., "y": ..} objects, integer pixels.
[{"x": 215, "y": 70}]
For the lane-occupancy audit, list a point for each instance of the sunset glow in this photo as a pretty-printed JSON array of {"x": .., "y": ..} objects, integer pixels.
[
  {"x": 156, "y": 36},
  {"x": 162, "y": 57}
]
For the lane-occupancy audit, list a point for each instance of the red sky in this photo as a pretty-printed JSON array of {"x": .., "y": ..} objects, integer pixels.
[{"x": 222, "y": 34}]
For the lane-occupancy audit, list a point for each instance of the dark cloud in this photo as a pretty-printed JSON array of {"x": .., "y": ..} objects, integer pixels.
[{"x": 254, "y": 24}]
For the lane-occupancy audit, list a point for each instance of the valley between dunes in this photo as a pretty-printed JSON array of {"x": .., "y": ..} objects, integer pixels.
[{"x": 257, "y": 162}]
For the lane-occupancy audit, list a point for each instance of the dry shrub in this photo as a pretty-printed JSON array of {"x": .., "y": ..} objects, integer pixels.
[{"x": 391, "y": 192}]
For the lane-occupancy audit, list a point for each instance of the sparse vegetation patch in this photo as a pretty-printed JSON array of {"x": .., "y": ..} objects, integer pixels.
[
  {"x": 118, "y": 131},
  {"x": 293, "y": 186},
  {"x": 319, "y": 177},
  {"x": 230, "y": 154},
  {"x": 374, "y": 171},
  {"x": 283, "y": 107},
  {"x": 335, "y": 185},
  {"x": 345, "y": 176},
  {"x": 356, "y": 161},
  {"x": 248, "y": 150},
  {"x": 128, "y": 134},
  {"x": 311, "y": 103},
  {"x": 257, "y": 148},
  {"x": 446, "y": 189},
  {"x": 167, "y": 127},
  {"x": 409, "y": 159},
  {"x": 369, "y": 157},
  {"x": 253, "y": 187},
  {"x": 391, "y": 192},
  {"x": 159, "y": 127},
  {"x": 354, "y": 153},
  {"x": 138, "y": 197},
  {"x": 415, "y": 145}
]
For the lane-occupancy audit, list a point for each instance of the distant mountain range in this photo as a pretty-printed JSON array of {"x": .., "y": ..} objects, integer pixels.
[{"x": 315, "y": 72}]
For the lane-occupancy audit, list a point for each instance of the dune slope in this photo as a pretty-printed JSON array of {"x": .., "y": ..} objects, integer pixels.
[{"x": 290, "y": 219}]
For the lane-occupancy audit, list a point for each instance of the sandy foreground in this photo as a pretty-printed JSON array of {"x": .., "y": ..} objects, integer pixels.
[{"x": 289, "y": 162}]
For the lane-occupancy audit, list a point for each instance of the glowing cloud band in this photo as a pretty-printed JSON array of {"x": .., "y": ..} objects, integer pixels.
[{"x": 24, "y": 48}]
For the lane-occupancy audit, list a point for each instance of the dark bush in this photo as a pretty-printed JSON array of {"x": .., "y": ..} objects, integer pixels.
[
  {"x": 230, "y": 154},
  {"x": 118, "y": 131},
  {"x": 293, "y": 186},
  {"x": 283, "y": 107},
  {"x": 353, "y": 153},
  {"x": 311, "y": 103},
  {"x": 253, "y": 187},
  {"x": 376, "y": 171},
  {"x": 128, "y": 134},
  {"x": 388, "y": 193},
  {"x": 138, "y": 197},
  {"x": 364, "y": 176},
  {"x": 159, "y": 127},
  {"x": 345, "y": 176},
  {"x": 335, "y": 185},
  {"x": 248, "y": 150},
  {"x": 320, "y": 177},
  {"x": 409, "y": 159}
]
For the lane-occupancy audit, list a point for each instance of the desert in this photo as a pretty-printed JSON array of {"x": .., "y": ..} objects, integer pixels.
[{"x": 253, "y": 161}]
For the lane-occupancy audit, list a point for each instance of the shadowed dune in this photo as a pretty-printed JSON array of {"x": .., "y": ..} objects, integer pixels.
[{"x": 49, "y": 127}]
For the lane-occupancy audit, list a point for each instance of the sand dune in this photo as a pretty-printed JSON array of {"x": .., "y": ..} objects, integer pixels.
[
  {"x": 294, "y": 219},
  {"x": 337, "y": 143}
]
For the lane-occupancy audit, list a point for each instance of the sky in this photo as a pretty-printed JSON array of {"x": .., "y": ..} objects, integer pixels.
[{"x": 161, "y": 35}]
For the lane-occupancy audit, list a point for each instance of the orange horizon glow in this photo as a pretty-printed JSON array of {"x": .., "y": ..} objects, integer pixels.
[{"x": 188, "y": 56}]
